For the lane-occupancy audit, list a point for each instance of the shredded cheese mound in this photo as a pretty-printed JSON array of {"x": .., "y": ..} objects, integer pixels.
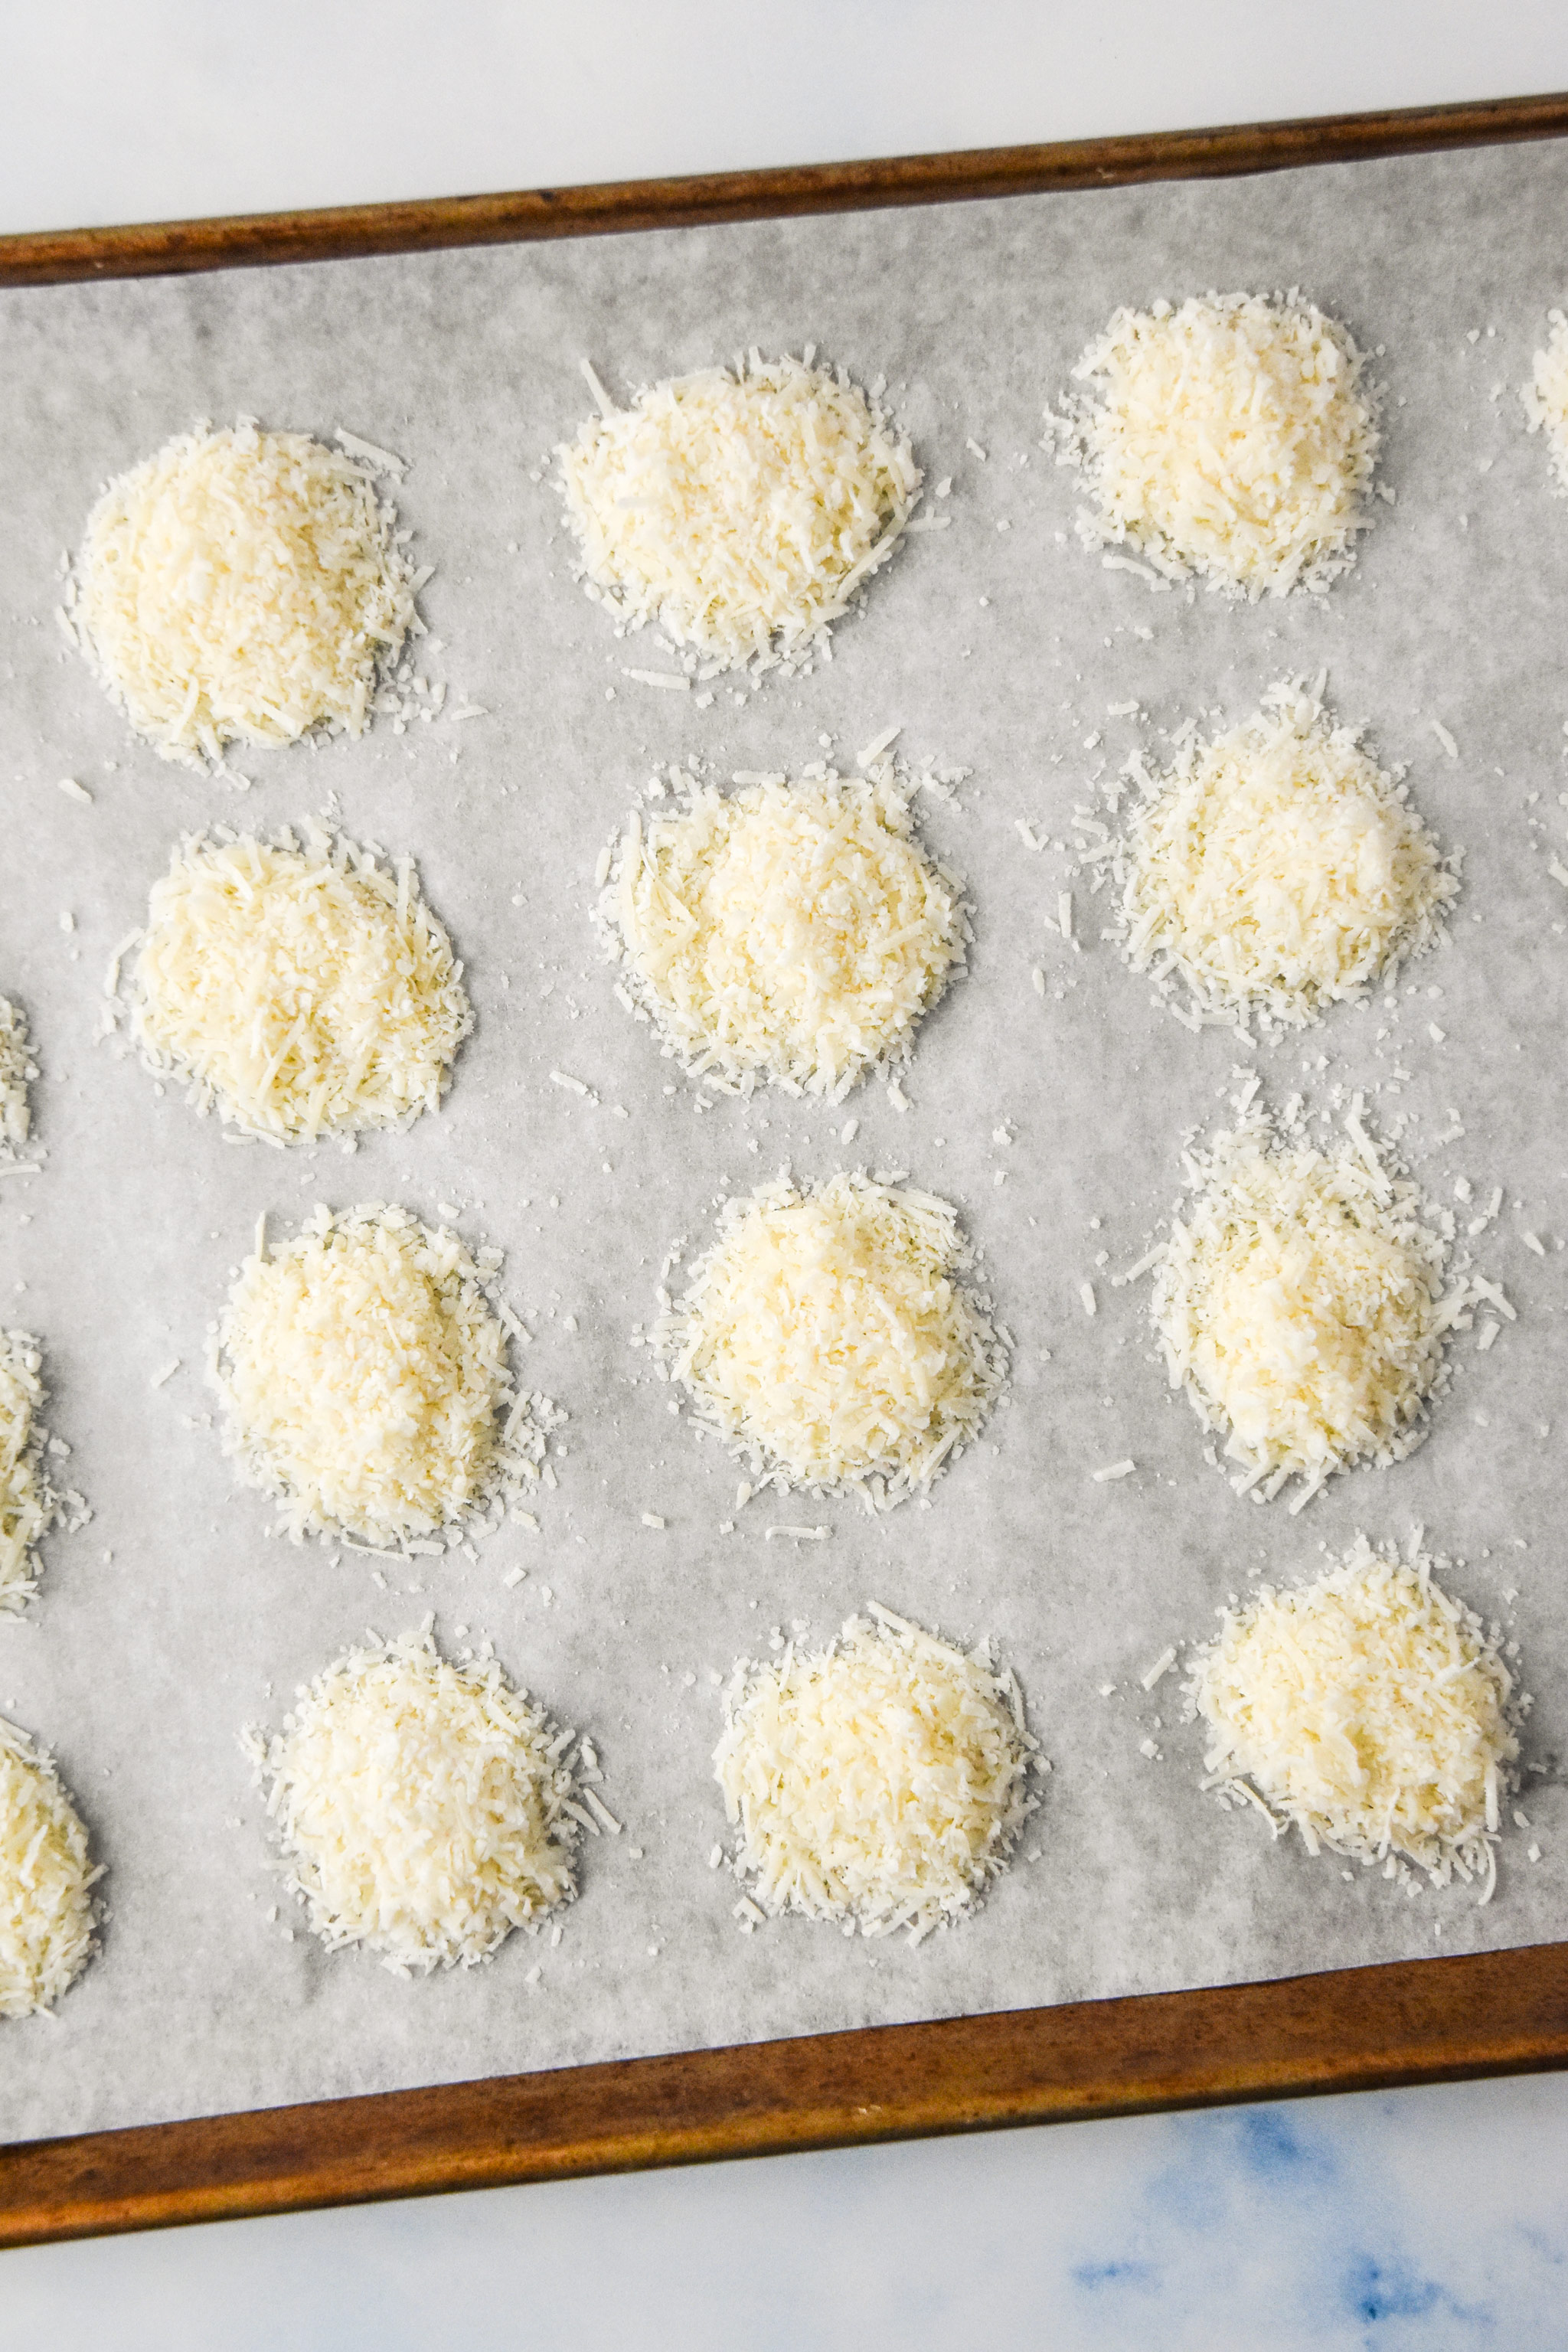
[
  {"x": 242, "y": 584},
  {"x": 421, "y": 1805},
  {"x": 1233, "y": 437},
  {"x": 1299, "y": 1302},
  {"x": 48, "y": 1914},
  {"x": 1279, "y": 868},
  {"x": 1367, "y": 1708},
  {"x": 1546, "y": 396},
  {"x": 305, "y": 991},
  {"x": 791, "y": 932},
  {"x": 365, "y": 1380},
  {"x": 825, "y": 1337},
  {"x": 29, "y": 1506},
  {"x": 880, "y": 1783},
  {"x": 17, "y": 1071},
  {"x": 740, "y": 510}
]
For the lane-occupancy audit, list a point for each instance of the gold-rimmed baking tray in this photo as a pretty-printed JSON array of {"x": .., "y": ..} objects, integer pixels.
[{"x": 1410, "y": 2021}]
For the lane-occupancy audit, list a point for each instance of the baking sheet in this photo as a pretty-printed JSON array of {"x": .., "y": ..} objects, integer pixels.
[{"x": 139, "y": 1669}]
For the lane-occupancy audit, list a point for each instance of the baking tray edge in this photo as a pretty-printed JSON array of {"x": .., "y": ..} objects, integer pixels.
[
  {"x": 1351, "y": 2029},
  {"x": 52, "y": 257}
]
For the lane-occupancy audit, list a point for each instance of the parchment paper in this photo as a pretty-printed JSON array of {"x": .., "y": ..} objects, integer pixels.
[{"x": 1000, "y": 650}]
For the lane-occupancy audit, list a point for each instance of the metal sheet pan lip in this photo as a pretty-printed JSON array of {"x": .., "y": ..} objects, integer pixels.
[
  {"x": 1140, "y": 2054},
  {"x": 424, "y": 224}
]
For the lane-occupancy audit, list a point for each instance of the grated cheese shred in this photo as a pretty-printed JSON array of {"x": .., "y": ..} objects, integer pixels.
[
  {"x": 827, "y": 1335},
  {"x": 242, "y": 585},
  {"x": 1298, "y": 1303},
  {"x": 1546, "y": 397},
  {"x": 880, "y": 1783},
  {"x": 741, "y": 510},
  {"x": 30, "y": 1504},
  {"x": 1233, "y": 438},
  {"x": 421, "y": 1807},
  {"x": 47, "y": 1912},
  {"x": 362, "y": 1366},
  {"x": 17, "y": 1071},
  {"x": 1368, "y": 1709},
  {"x": 1277, "y": 867},
  {"x": 302, "y": 991},
  {"x": 797, "y": 932}
]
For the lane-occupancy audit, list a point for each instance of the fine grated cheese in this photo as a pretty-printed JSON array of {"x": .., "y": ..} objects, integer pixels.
[
  {"x": 18, "y": 1071},
  {"x": 793, "y": 932},
  {"x": 421, "y": 1806},
  {"x": 242, "y": 584},
  {"x": 1232, "y": 438},
  {"x": 880, "y": 1783},
  {"x": 47, "y": 1913},
  {"x": 1278, "y": 867},
  {"x": 1298, "y": 1303},
  {"x": 1546, "y": 397},
  {"x": 303, "y": 991},
  {"x": 825, "y": 1335},
  {"x": 30, "y": 1504},
  {"x": 364, "y": 1369},
  {"x": 741, "y": 510},
  {"x": 1367, "y": 1708}
]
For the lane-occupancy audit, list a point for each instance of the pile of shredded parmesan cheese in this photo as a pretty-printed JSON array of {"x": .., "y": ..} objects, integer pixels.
[
  {"x": 1233, "y": 437},
  {"x": 1546, "y": 395},
  {"x": 364, "y": 1368},
  {"x": 1302, "y": 1303},
  {"x": 422, "y": 1807},
  {"x": 795, "y": 932},
  {"x": 1370, "y": 1709},
  {"x": 303, "y": 991},
  {"x": 17, "y": 1071},
  {"x": 738, "y": 508},
  {"x": 29, "y": 1505},
  {"x": 1278, "y": 867},
  {"x": 242, "y": 584},
  {"x": 878, "y": 1784},
  {"x": 826, "y": 1337},
  {"x": 47, "y": 1910}
]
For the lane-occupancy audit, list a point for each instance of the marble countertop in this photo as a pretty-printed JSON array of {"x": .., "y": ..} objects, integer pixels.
[{"x": 1436, "y": 2218}]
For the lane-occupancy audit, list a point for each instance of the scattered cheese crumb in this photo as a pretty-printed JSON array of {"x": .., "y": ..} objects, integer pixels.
[
  {"x": 826, "y": 1332},
  {"x": 420, "y": 1806},
  {"x": 302, "y": 991},
  {"x": 740, "y": 510},
  {"x": 794, "y": 932},
  {"x": 242, "y": 584},
  {"x": 1368, "y": 1708},
  {"x": 47, "y": 1913},
  {"x": 1232, "y": 438},
  {"x": 880, "y": 1783}
]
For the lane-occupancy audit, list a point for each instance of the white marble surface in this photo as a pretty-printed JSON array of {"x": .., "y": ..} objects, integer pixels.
[
  {"x": 1434, "y": 2219},
  {"x": 1430, "y": 2221}
]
